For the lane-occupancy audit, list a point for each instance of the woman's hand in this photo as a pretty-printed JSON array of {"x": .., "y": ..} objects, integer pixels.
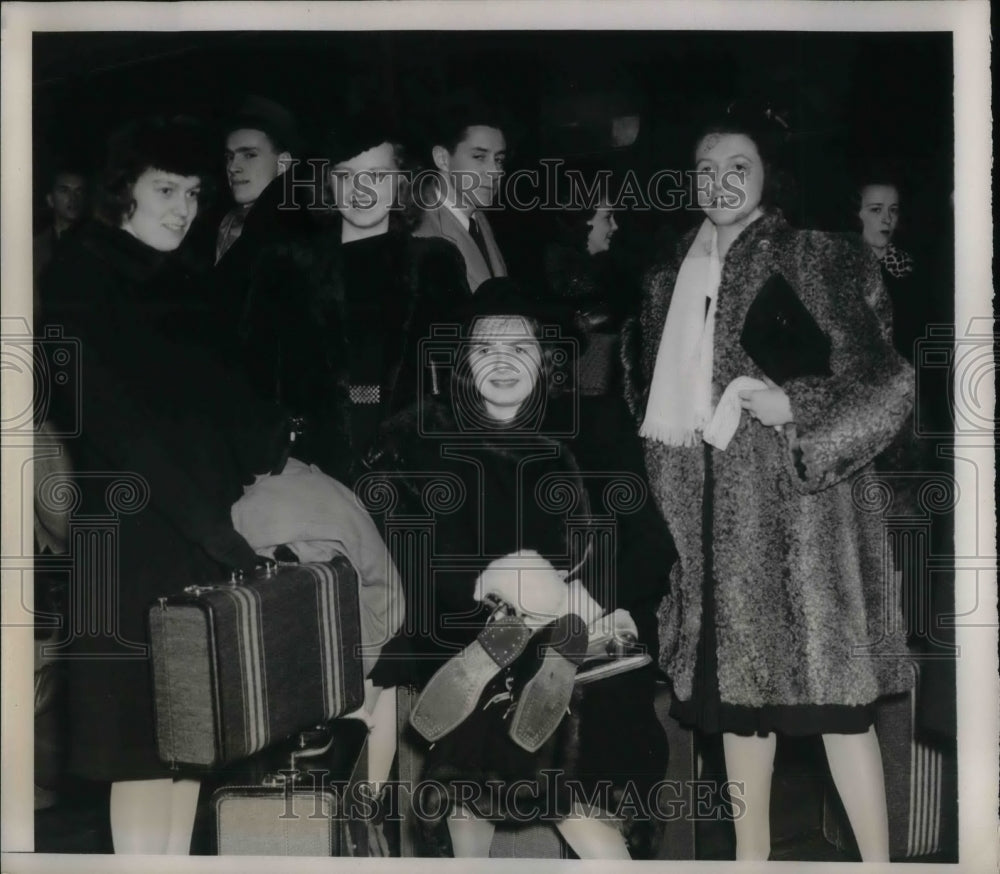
[
  {"x": 624, "y": 625},
  {"x": 613, "y": 634},
  {"x": 618, "y": 624},
  {"x": 769, "y": 406}
]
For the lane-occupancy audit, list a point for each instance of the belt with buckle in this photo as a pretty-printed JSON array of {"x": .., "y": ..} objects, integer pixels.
[{"x": 365, "y": 394}]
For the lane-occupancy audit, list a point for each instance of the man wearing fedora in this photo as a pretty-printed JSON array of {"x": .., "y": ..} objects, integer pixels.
[{"x": 468, "y": 149}]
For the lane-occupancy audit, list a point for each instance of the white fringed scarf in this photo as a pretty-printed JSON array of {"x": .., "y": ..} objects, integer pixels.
[{"x": 680, "y": 396}]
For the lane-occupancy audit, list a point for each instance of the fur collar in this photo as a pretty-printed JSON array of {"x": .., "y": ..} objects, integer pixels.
[{"x": 419, "y": 432}]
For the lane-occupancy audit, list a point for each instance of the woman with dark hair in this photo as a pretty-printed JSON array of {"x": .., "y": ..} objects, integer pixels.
[
  {"x": 167, "y": 437},
  {"x": 580, "y": 273},
  {"x": 493, "y": 461},
  {"x": 781, "y": 617},
  {"x": 877, "y": 205}
]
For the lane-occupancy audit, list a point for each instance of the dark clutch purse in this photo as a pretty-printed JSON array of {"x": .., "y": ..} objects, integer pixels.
[{"x": 782, "y": 337}]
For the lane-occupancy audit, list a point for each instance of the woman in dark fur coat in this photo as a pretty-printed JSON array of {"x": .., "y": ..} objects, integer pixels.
[
  {"x": 492, "y": 475},
  {"x": 333, "y": 319},
  {"x": 783, "y": 614}
]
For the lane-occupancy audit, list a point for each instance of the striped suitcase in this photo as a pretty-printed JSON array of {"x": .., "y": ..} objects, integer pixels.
[{"x": 239, "y": 666}]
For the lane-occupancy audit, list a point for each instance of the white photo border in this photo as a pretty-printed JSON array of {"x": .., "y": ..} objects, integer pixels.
[{"x": 977, "y": 682}]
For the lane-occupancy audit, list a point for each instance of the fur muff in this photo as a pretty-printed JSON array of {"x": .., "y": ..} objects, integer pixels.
[{"x": 806, "y": 599}]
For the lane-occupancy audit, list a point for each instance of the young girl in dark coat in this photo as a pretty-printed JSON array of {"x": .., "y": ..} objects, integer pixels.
[
  {"x": 167, "y": 437},
  {"x": 493, "y": 471},
  {"x": 782, "y": 615}
]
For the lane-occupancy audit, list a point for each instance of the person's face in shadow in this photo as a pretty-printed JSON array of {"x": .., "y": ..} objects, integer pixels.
[
  {"x": 602, "y": 227},
  {"x": 67, "y": 198},
  {"x": 879, "y": 215},
  {"x": 252, "y": 163}
]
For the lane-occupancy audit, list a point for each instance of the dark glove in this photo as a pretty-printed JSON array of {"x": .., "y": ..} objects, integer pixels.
[
  {"x": 598, "y": 317},
  {"x": 229, "y": 549}
]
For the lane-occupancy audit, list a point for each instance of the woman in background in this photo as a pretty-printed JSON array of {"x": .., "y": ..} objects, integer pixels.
[
  {"x": 878, "y": 209},
  {"x": 596, "y": 292},
  {"x": 583, "y": 276}
]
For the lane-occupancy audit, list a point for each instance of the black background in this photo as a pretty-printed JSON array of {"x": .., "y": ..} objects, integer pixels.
[{"x": 856, "y": 102}]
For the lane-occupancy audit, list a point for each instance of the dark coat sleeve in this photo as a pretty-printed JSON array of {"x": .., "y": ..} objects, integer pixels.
[
  {"x": 614, "y": 476},
  {"x": 152, "y": 386},
  {"x": 122, "y": 427},
  {"x": 404, "y": 475},
  {"x": 438, "y": 290},
  {"x": 634, "y": 384},
  {"x": 293, "y": 347}
]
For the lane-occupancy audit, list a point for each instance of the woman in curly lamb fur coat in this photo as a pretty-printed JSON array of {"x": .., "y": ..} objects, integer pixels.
[{"x": 783, "y": 613}]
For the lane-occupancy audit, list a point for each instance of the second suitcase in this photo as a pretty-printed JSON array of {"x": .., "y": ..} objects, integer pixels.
[
  {"x": 288, "y": 800},
  {"x": 239, "y": 666},
  {"x": 273, "y": 821}
]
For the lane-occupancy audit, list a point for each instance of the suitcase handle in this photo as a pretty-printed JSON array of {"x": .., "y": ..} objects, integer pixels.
[
  {"x": 267, "y": 567},
  {"x": 308, "y": 751}
]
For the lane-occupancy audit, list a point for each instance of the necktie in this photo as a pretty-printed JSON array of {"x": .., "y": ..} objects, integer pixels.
[
  {"x": 229, "y": 231},
  {"x": 476, "y": 233}
]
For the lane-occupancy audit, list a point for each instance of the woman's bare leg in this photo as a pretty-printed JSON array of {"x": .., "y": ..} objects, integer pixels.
[
  {"x": 471, "y": 837},
  {"x": 381, "y": 704},
  {"x": 184, "y": 806},
  {"x": 592, "y": 837},
  {"x": 856, "y": 766},
  {"x": 140, "y": 816},
  {"x": 153, "y": 817},
  {"x": 750, "y": 763}
]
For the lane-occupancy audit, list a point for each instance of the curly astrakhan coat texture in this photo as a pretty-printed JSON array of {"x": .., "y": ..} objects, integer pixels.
[{"x": 806, "y": 602}]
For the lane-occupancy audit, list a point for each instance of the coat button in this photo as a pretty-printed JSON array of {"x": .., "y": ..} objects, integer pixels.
[{"x": 765, "y": 244}]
